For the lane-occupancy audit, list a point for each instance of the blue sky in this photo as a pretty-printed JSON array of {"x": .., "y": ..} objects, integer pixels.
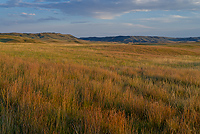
[{"x": 82, "y": 18}]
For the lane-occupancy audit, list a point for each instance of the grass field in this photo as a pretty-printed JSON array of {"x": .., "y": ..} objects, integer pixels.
[{"x": 57, "y": 88}]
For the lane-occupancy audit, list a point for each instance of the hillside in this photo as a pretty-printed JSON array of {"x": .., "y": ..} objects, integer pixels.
[
  {"x": 16, "y": 39},
  {"x": 141, "y": 39},
  {"x": 38, "y": 37},
  {"x": 64, "y": 38}
]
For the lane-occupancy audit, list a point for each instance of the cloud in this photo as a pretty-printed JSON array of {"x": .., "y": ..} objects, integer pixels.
[
  {"x": 136, "y": 25},
  {"x": 105, "y": 15},
  {"x": 30, "y": 14},
  {"x": 27, "y": 15},
  {"x": 179, "y": 17},
  {"x": 106, "y": 9},
  {"x": 166, "y": 19}
]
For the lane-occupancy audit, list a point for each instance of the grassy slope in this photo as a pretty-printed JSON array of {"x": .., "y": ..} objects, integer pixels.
[
  {"x": 142, "y": 39},
  {"x": 15, "y": 39},
  {"x": 132, "y": 39},
  {"x": 39, "y": 37},
  {"x": 99, "y": 88}
]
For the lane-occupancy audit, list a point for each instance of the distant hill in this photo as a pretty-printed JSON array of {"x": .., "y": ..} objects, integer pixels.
[
  {"x": 38, "y": 37},
  {"x": 67, "y": 38},
  {"x": 141, "y": 39}
]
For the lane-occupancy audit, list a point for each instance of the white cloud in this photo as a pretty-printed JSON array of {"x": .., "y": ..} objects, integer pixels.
[
  {"x": 105, "y": 15},
  {"x": 30, "y": 14},
  {"x": 166, "y": 19},
  {"x": 136, "y": 25},
  {"x": 196, "y": 1},
  {"x": 24, "y": 13},
  {"x": 179, "y": 17}
]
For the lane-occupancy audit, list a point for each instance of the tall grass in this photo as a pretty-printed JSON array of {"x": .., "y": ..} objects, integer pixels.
[{"x": 58, "y": 88}]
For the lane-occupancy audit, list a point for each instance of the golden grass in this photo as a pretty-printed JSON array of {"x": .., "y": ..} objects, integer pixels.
[{"x": 99, "y": 88}]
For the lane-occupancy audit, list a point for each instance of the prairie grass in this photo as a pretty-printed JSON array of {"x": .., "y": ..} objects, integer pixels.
[{"x": 99, "y": 88}]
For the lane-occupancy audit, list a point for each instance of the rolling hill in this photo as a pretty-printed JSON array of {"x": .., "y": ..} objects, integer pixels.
[
  {"x": 38, "y": 37},
  {"x": 141, "y": 39},
  {"x": 66, "y": 38}
]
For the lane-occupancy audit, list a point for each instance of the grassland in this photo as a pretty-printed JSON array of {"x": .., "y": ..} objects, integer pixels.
[{"x": 99, "y": 88}]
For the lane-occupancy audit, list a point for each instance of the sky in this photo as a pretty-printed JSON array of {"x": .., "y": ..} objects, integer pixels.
[{"x": 83, "y": 18}]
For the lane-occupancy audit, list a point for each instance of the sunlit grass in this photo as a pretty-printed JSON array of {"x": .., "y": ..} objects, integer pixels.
[{"x": 99, "y": 88}]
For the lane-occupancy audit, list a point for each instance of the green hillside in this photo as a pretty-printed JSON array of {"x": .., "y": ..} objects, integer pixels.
[
  {"x": 16, "y": 39},
  {"x": 66, "y": 38},
  {"x": 141, "y": 39},
  {"x": 41, "y": 37}
]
